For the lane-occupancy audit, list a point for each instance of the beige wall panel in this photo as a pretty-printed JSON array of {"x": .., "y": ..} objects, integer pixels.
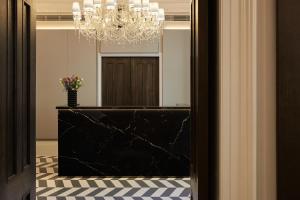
[
  {"x": 60, "y": 53},
  {"x": 176, "y": 67}
]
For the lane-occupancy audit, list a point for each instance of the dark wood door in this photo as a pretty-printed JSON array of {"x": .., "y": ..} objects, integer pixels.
[
  {"x": 116, "y": 82},
  {"x": 288, "y": 99},
  {"x": 131, "y": 81},
  {"x": 17, "y": 100},
  {"x": 145, "y": 81}
]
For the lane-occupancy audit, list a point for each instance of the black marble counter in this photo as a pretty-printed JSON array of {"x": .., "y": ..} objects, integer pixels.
[{"x": 97, "y": 141}]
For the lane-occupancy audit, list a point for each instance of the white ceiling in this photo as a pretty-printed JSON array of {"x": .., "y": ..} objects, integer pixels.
[{"x": 64, "y": 6}]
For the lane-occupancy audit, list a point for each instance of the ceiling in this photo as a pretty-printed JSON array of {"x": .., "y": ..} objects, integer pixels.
[{"x": 172, "y": 7}]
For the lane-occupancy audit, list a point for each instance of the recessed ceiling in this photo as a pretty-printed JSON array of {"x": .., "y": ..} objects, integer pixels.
[{"x": 174, "y": 7}]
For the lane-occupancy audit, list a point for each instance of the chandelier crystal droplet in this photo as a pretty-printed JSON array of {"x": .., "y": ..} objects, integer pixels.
[{"x": 131, "y": 21}]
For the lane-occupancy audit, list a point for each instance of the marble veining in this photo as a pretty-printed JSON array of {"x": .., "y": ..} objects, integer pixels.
[{"x": 124, "y": 142}]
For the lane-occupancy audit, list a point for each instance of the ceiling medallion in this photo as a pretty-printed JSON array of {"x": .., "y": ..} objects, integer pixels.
[{"x": 120, "y": 21}]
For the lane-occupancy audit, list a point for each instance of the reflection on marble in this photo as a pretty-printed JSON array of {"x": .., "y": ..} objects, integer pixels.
[{"x": 124, "y": 142}]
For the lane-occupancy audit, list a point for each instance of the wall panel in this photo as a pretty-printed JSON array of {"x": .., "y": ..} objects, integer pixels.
[
  {"x": 61, "y": 53},
  {"x": 176, "y": 67}
]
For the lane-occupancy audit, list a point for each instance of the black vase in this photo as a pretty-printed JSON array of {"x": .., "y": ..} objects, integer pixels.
[{"x": 72, "y": 98}]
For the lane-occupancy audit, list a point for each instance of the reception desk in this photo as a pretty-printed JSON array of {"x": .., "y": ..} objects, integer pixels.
[{"x": 133, "y": 141}]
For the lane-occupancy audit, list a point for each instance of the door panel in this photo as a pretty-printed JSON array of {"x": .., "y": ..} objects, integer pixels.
[
  {"x": 130, "y": 81},
  {"x": 145, "y": 81},
  {"x": 116, "y": 82},
  {"x": 11, "y": 97},
  {"x": 17, "y": 100}
]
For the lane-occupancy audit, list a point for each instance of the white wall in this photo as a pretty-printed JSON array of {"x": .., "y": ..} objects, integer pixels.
[
  {"x": 176, "y": 67},
  {"x": 60, "y": 53}
]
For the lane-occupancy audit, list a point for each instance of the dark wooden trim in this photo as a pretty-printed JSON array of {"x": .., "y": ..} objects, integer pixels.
[
  {"x": 288, "y": 98},
  {"x": 17, "y": 100},
  {"x": 32, "y": 93},
  {"x": 204, "y": 99},
  {"x": 277, "y": 104}
]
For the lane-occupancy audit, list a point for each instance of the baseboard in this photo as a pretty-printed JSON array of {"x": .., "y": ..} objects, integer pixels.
[{"x": 47, "y": 148}]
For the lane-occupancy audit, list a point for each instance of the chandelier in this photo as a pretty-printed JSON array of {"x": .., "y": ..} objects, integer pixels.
[{"x": 120, "y": 21}]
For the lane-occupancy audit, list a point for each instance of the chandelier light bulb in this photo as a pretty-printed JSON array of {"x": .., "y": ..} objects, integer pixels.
[
  {"x": 76, "y": 11},
  {"x": 110, "y": 4},
  {"x": 88, "y": 5},
  {"x": 97, "y": 3},
  {"x": 76, "y": 7},
  {"x": 138, "y": 5},
  {"x": 146, "y": 5},
  {"x": 154, "y": 7},
  {"x": 161, "y": 14},
  {"x": 131, "y": 3}
]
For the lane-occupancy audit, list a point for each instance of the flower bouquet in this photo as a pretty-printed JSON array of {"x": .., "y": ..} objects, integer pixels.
[{"x": 71, "y": 85}]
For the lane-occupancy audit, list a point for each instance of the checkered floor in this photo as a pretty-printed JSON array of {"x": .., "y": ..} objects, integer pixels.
[{"x": 52, "y": 187}]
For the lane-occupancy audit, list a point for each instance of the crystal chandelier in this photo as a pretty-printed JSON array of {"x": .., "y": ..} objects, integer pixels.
[{"x": 120, "y": 21}]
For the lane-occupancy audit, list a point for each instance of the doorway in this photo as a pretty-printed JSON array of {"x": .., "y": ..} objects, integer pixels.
[
  {"x": 130, "y": 81},
  {"x": 202, "y": 184},
  {"x": 113, "y": 141}
]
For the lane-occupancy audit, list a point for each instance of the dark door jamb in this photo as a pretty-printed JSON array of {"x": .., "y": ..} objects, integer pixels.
[{"x": 204, "y": 99}]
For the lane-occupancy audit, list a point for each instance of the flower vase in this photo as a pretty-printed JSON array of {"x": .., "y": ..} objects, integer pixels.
[{"x": 72, "y": 98}]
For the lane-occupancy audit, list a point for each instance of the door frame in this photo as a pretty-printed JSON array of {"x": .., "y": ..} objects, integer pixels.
[
  {"x": 99, "y": 71},
  {"x": 204, "y": 99},
  {"x": 17, "y": 100}
]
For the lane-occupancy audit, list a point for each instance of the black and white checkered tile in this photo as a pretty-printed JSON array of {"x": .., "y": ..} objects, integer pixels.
[{"x": 52, "y": 187}]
